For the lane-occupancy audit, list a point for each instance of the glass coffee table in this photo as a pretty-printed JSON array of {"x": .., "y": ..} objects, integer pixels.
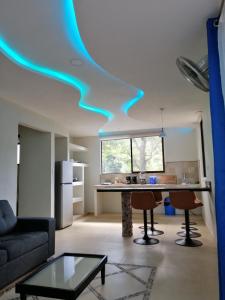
[{"x": 65, "y": 277}]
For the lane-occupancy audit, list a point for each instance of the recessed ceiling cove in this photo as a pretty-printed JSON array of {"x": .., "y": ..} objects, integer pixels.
[{"x": 47, "y": 41}]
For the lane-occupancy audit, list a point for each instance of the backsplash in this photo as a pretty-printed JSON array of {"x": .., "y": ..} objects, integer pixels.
[{"x": 186, "y": 171}]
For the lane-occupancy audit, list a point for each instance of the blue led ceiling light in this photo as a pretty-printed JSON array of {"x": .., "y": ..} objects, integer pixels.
[
  {"x": 127, "y": 105},
  {"x": 75, "y": 38},
  {"x": 65, "y": 78},
  {"x": 100, "y": 91}
]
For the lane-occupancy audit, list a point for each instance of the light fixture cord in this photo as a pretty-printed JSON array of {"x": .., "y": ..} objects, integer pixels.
[{"x": 162, "y": 116}]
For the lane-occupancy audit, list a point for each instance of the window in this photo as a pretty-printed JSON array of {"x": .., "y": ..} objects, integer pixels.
[
  {"x": 116, "y": 156},
  {"x": 132, "y": 155},
  {"x": 147, "y": 154}
]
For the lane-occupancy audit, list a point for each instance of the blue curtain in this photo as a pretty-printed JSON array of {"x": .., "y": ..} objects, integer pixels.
[{"x": 218, "y": 134}]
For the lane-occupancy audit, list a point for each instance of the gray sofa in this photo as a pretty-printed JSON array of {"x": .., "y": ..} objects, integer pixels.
[{"x": 24, "y": 243}]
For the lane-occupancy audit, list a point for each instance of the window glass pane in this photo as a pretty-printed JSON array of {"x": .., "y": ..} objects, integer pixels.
[
  {"x": 116, "y": 156},
  {"x": 147, "y": 154}
]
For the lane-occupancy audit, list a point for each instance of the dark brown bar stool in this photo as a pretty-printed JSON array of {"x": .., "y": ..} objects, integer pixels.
[
  {"x": 185, "y": 200},
  {"x": 152, "y": 231},
  {"x": 144, "y": 201}
]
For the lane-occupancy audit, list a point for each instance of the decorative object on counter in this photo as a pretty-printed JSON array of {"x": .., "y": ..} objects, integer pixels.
[
  {"x": 208, "y": 184},
  {"x": 116, "y": 180},
  {"x": 152, "y": 179},
  {"x": 142, "y": 178},
  {"x": 143, "y": 181},
  {"x": 184, "y": 179},
  {"x": 119, "y": 180}
]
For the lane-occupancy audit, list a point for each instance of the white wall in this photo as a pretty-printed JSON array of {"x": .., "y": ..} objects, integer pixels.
[
  {"x": 180, "y": 145},
  {"x": 207, "y": 198},
  {"x": 61, "y": 148},
  {"x": 11, "y": 116}
]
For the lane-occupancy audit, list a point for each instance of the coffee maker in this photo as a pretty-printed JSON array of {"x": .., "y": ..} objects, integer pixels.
[{"x": 132, "y": 179}]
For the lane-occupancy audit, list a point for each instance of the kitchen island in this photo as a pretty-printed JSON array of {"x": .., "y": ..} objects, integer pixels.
[{"x": 126, "y": 189}]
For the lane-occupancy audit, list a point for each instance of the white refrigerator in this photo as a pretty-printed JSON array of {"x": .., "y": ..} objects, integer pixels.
[{"x": 63, "y": 194}]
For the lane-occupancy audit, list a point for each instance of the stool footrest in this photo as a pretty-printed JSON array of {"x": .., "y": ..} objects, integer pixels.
[
  {"x": 191, "y": 234},
  {"x": 188, "y": 243},
  {"x": 155, "y": 232}
]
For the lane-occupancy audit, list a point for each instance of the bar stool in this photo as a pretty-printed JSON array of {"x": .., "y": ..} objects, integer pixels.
[
  {"x": 144, "y": 201},
  {"x": 152, "y": 231},
  {"x": 193, "y": 234},
  {"x": 185, "y": 200}
]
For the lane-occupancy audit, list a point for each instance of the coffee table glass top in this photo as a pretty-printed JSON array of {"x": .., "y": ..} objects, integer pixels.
[{"x": 66, "y": 272}]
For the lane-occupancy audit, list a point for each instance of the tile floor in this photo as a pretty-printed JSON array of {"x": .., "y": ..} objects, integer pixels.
[{"x": 182, "y": 273}]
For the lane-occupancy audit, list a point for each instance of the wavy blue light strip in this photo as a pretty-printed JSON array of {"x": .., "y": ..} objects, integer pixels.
[
  {"x": 127, "y": 105},
  {"x": 65, "y": 78},
  {"x": 75, "y": 38},
  {"x": 73, "y": 32}
]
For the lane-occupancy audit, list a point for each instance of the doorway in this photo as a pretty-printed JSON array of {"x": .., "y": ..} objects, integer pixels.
[{"x": 35, "y": 173}]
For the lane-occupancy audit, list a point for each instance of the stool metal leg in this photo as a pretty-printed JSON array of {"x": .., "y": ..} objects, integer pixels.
[
  {"x": 191, "y": 223},
  {"x": 153, "y": 231},
  {"x": 146, "y": 240},
  {"x": 188, "y": 242}
]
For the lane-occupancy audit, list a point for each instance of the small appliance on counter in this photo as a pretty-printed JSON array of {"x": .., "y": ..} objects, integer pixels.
[
  {"x": 128, "y": 179},
  {"x": 132, "y": 179}
]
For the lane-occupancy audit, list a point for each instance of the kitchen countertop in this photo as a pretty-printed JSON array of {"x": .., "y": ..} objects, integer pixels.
[{"x": 148, "y": 187}]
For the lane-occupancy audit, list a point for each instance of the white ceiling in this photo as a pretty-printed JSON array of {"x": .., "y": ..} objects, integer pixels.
[{"x": 137, "y": 41}]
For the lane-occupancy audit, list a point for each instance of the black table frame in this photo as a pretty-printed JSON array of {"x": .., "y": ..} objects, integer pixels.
[{"x": 24, "y": 289}]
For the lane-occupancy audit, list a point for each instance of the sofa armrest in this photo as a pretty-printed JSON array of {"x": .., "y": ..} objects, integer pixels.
[{"x": 39, "y": 224}]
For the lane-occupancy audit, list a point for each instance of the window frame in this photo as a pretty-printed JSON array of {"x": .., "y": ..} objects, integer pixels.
[{"x": 131, "y": 153}]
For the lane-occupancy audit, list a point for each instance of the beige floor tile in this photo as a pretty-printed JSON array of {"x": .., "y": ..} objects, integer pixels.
[{"x": 182, "y": 273}]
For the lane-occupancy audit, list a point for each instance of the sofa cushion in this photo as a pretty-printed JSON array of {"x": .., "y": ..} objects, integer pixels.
[
  {"x": 3, "y": 257},
  {"x": 7, "y": 218},
  {"x": 20, "y": 243}
]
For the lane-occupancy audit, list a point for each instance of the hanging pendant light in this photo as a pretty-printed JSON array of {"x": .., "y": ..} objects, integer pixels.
[{"x": 162, "y": 133}]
